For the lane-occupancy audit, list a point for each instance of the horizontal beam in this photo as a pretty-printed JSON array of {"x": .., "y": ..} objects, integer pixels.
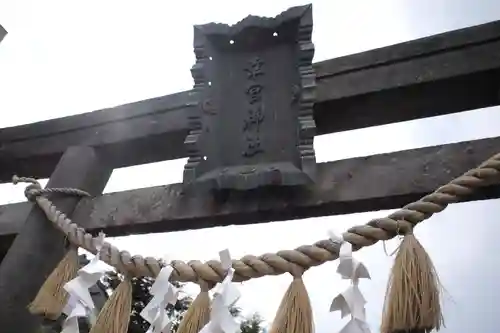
[
  {"x": 437, "y": 75},
  {"x": 353, "y": 185}
]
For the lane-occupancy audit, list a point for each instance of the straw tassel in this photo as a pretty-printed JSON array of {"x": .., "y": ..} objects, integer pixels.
[
  {"x": 294, "y": 314},
  {"x": 412, "y": 301},
  {"x": 198, "y": 314},
  {"x": 115, "y": 314},
  {"x": 52, "y": 297}
]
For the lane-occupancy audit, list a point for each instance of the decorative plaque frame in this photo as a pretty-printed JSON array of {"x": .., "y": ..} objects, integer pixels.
[{"x": 255, "y": 85}]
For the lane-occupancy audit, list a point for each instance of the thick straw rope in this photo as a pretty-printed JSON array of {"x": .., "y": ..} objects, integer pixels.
[{"x": 302, "y": 258}]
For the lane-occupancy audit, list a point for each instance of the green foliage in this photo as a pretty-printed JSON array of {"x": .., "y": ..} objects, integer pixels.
[{"x": 252, "y": 324}]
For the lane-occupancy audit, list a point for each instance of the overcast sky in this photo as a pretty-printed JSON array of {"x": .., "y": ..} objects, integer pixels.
[{"x": 67, "y": 57}]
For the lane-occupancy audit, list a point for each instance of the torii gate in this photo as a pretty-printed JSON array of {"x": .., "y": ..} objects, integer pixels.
[{"x": 356, "y": 91}]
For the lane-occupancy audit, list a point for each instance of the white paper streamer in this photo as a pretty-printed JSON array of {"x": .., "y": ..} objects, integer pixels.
[
  {"x": 350, "y": 301},
  {"x": 76, "y": 310},
  {"x": 225, "y": 296},
  {"x": 164, "y": 293},
  {"x": 355, "y": 325},
  {"x": 160, "y": 324},
  {"x": 80, "y": 303}
]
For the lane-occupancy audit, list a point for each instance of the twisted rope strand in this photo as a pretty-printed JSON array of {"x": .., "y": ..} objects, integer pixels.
[
  {"x": 300, "y": 259},
  {"x": 35, "y": 189}
]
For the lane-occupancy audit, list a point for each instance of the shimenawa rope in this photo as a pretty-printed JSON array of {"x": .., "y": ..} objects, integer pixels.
[{"x": 302, "y": 258}]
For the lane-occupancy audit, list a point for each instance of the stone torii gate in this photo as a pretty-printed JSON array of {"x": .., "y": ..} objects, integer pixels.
[{"x": 244, "y": 167}]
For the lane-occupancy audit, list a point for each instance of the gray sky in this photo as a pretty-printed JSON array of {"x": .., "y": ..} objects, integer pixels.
[{"x": 65, "y": 57}]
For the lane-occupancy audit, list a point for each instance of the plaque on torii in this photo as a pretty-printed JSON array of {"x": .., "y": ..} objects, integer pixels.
[{"x": 255, "y": 88}]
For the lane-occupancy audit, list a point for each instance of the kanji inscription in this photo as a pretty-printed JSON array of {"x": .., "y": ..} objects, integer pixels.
[
  {"x": 255, "y": 114},
  {"x": 254, "y": 85},
  {"x": 255, "y": 68}
]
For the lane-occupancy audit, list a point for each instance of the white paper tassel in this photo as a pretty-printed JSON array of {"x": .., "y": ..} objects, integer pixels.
[
  {"x": 164, "y": 293},
  {"x": 350, "y": 301},
  {"x": 225, "y": 296},
  {"x": 80, "y": 303}
]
